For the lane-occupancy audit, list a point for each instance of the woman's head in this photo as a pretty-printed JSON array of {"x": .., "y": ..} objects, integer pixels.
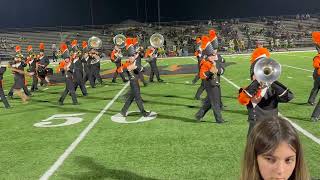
[{"x": 273, "y": 151}]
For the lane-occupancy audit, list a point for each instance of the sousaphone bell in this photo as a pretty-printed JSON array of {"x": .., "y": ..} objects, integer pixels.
[
  {"x": 95, "y": 43},
  {"x": 156, "y": 40},
  {"x": 267, "y": 71},
  {"x": 120, "y": 40}
]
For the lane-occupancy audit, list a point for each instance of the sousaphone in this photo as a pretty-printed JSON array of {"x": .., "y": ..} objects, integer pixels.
[
  {"x": 120, "y": 40},
  {"x": 95, "y": 43},
  {"x": 156, "y": 40},
  {"x": 267, "y": 71}
]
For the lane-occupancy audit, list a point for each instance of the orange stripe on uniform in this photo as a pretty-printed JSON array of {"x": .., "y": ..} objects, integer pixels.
[
  {"x": 204, "y": 67},
  {"x": 123, "y": 66}
]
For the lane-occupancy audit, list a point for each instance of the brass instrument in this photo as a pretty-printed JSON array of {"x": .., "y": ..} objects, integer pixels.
[
  {"x": 95, "y": 42},
  {"x": 156, "y": 40},
  {"x": 267, "y": 71},
  {"x": 120, "y": 40}
]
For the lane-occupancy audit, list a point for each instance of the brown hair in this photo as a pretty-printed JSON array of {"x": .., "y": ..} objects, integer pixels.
[{"x": 264, "y": 138}]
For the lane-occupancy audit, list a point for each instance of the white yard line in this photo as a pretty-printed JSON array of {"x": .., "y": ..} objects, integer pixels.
[
  {"x": 295, "y": 55},
  {"x": 297, "y": 68},
  {"x": 306, "y": 133},
  {"x": 303, "y": 131}
]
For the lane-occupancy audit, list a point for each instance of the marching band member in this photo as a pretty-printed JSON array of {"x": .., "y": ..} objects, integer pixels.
[
  {"x": 77, "y": 68},
  {"x": 69, "y": 77},
  {"x": 152, "y": 55},
  {"x": 219, "y": 59},
  {"x": 209, "y": 69},
  {"x": 140, "y": 51},
  {"x": 214, "y": 42},
  {"x": 116, "y": 56},
  {"x": 17, "y": 68},
  {"x": 33, "y": 67},
  {"x": 19, "y": 59},
  {"x": 132, "y": 70},
  {"x": 3, "y": 68},
  {"x": 43, "y": 70},
  {"x": 262, "y": 100},
  {"x": 316, "y": 77},
  {"x": 86, "y": 63},
  {"x": 94, "y": 67}
]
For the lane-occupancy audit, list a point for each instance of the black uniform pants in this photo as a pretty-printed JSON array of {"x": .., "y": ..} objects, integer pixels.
[
  {"x": 69, "y": 89},
  {"x": 197, "y": 77},
  {"x": 34, "y": 85},
  {"x": 86, "y": 76},
  {"x": 314, "y": 91},
  {"x": 154, "y": 71},
  {"x": 79, "y": 81},
  {"x": 141, "y": 77},
  {"x": 316, "y": 111},
  {"x": 200, "y": 90},
  {"x": 3, "y": 97},
  {"x": 133, "y": 94},
  {"x": 94, "y": 75},
  {"x": 211, "y": 101}
]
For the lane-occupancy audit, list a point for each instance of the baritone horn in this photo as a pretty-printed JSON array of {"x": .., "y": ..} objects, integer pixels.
[
  {"x": 95, "y": 42},
  {"x": 267, "y": 71},
  {"x": 120, "y": 40},
  {"x": 156, "y": 40}
]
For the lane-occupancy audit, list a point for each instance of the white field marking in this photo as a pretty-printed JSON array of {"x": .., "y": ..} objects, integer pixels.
[
  {"x": 81, "y": 136},
  {"x": 310, "y": 76},
  {"x": 45, "y": 89},
  {"x": 87, "y": 86},
  {"x": 297, "y": 68},
  {"x": 290, "y": 77},
  {"x": 295, "y": 56},
  {"x": 306, "y": 133},
  {"x": 69, "y": 120},
  {"x": 121, "y": 119}
]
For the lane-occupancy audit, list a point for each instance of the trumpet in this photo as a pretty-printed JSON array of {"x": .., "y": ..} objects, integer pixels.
[{"x": 267, "y": 71}]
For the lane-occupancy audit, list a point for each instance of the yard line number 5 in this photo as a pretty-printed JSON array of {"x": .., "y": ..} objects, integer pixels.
[{"x": 52, "y": 121}]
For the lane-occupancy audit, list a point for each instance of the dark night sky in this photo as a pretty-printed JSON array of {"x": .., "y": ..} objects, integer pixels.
[{"x": 35, "y": 13}]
